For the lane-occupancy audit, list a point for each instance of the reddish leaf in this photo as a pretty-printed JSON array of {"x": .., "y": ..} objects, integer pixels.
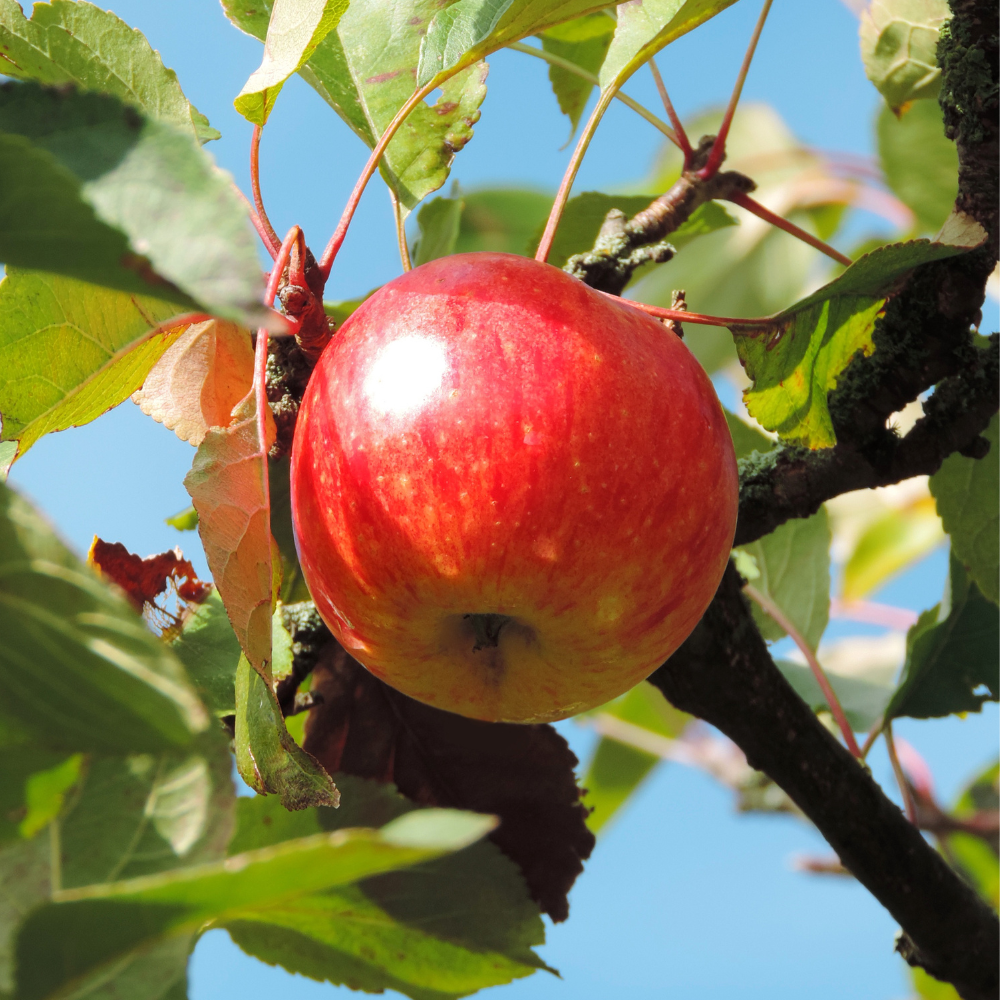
[
  {"x": 523, "y": 774},
  {"x": 199, "y": 380},
  {"x": 144, "y": 580}
]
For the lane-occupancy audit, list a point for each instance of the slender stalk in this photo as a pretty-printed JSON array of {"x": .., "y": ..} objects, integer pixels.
[
  {"x": 682, "y": 137},
  {"x": 683, "y": 316},
  {"x": 885, "y": 615},
  {"x": 814, "y": 665},
  {"x": 745, "y": 201},
  {"x": 579, "y": 71},
  {"x": 297, "y": 261},
  {"x": 897, "y": 770},
  {"x": 711, "y": 167},
  {"x": 872, "y": 736},
  {"x": 255, "y": 219},
  {"x": 266, "y": 230},
  {"x": 337, "y": 239},
  {"x": 404, "y": 250},
  {"x": 562, "y": 195}
]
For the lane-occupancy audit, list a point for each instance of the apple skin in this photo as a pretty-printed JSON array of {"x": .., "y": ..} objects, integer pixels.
[{"x": 486, "y": 435}]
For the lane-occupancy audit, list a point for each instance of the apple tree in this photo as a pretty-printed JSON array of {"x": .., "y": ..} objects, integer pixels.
[{"x": 392, "y": 843}]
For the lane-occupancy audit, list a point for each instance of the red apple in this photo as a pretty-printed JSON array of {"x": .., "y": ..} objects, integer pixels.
[{"x": 513, "y": 497}]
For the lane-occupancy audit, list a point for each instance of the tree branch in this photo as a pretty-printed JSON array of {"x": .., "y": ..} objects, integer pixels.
[{"x": 724, "y": 674}]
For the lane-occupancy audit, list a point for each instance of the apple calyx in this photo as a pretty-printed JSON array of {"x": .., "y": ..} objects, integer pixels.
[{"x": 486, "y": 628}]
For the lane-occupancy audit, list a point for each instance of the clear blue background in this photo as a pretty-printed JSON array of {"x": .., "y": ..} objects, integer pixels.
[{"x": 682, "y": 897}]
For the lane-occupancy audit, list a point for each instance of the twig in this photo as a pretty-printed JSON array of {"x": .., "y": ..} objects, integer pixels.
[
  {"x": 264, "y": 227},
  {"x": 682, "y": 139},
  {"x": 337, "y": 239},
  {"x": 571, "y": 67},
  {"x": 814, "y": 665},
  {"x": 745, "y": 201},
  {"x": 719, "y": 148},
  {"x": 562, "y": 195},
  {"x": 873, "y": 735},
  {"x": 897, "y": 770}
]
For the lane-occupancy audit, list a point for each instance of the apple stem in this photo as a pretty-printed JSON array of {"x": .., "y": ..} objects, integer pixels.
[
  {"x": 562, "y": 195},
  {"x": 337, "y": 239},
  {"x": 404, "y": 250},
  {"x": 297, "y": 260},
  {"x": 263, "y": 223},
  {"x": 711, "y": 167},
  {"x": 745, "y": 201},
  {"x": 897, "y": 770},
  {"x": 683, "y": 316},
  {"x": 579, "y": 71},
  {"x": 814, "y": 665},
  {"x": 682, "y": 140}
]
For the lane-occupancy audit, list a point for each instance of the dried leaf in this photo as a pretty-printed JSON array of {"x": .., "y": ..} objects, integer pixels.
[
  {"x": 199, "y": 380},
  {"x": 144, "y": 580},
  {"x": 228, "y": 484},
  {"x": 523, "y": 774}
]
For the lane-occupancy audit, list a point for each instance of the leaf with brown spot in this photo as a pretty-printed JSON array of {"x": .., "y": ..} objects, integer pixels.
[
  {"x": 523, "y": 774},
  {"x": 229, "y": 488},
  {"x": 199, "y": 380}
]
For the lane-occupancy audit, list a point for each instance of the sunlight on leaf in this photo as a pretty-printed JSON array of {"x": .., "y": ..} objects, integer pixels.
[
  {"x": 199, "y": 380},
  {"x": 70, "y": 351},
  {"x": 295, "y": 30}
]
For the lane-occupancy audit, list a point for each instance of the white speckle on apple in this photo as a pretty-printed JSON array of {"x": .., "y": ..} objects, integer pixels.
[{"x": 408, "y": 371}]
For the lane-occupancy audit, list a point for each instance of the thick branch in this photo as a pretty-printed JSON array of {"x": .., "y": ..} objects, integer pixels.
[{"x": 724, "y": 674}]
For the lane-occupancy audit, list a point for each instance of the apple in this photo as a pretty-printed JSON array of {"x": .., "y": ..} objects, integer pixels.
[{"x": 513, "y": 497}]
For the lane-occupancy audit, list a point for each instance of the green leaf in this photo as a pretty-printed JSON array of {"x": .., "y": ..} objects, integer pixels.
[
  {"x": 899, "y": 48},
  {"x": 25, "y": 883},
  {"x": 582, "y": 218},
  {"x": 79, "y": 670},
  {"x": 927, "y": 987},
  {"x": 446, "y": 928},
  {"x": 619, "y": 766},
  {"x": 70, "y": 351},
  {"x": 967, "y": 493},
  {"x": 583, "y": 42},
  {"x": 469, "y": 30},
  {"x": 504, "y": 220},
  {"x": 293, "y": 584},
  {"x": 951, "y": 654},
  {"x": 919, "y": 162},
  {"x": 92, "y": 930},
  {"x": 892, "y": 542},
  {"x": 796, "y": 358},
  {"x": 645, "y": 28},
  {"x": 183, "y": 520},
  {"x": 364, "y": 69},
  {"x": 92, "y": 189},
  {"x": 746, "y": 438},
  {"x": 269, "y": 760},
  {"x": 976, "y": 858},
  {"x": 862, "y": 671},
  {"x": 33, "y": 787},
  {"x": 210, "y": 652},
  {"x": 78, "y": 43},
  {"x": 438, "y": 221},
  {"x": 794, "y": 566},
  {"x": 295, "y": 30}
]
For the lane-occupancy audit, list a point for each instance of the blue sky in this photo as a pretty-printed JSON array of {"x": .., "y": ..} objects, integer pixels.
[{"x": 682, "y": 898}]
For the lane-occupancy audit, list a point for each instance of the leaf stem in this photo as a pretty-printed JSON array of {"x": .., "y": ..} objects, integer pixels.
[
  {"x": 872, "y": 736},
  {"x": 337, "y": 239},
  {"x": 756, "y": 208},
  {"x": 404, "y": 250},
  {"x": 711, "y": 167},
  {"x": 683, "y": 316},
  {"x": 682, "y": 139},
  {"x": 571, "y": 67},
  {"x": 897, "y": 770},
  {"x": 814, "y": 665},
  {"x": 562, "y": 195},
  {"x": 263, "y": 223}
]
